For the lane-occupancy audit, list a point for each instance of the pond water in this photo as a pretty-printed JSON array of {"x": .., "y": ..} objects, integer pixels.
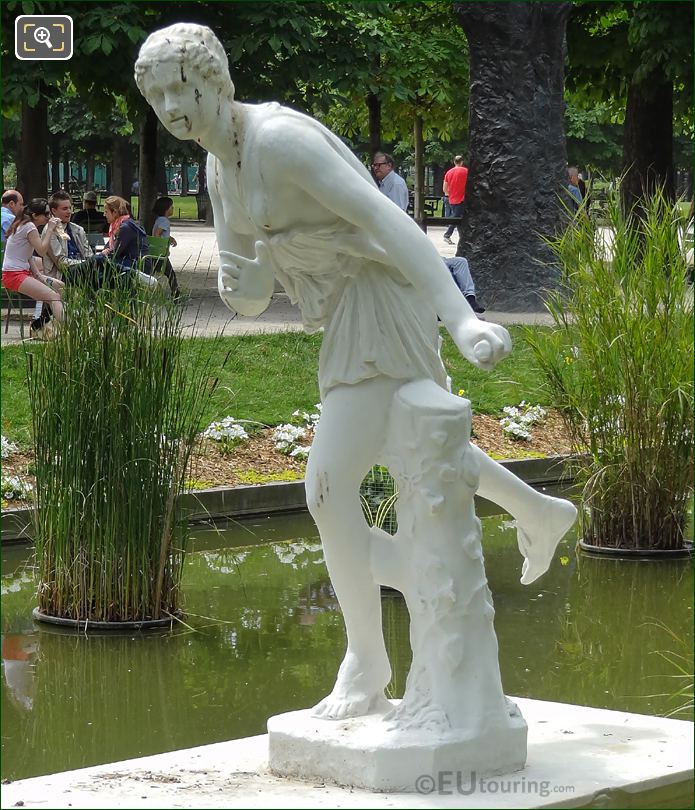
[{"x": 266, "y": 636}]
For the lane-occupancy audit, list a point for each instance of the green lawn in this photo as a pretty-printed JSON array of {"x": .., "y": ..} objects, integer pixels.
[
  {"x": 267, "y": 377},
  {"x": 184, "y": 207}
]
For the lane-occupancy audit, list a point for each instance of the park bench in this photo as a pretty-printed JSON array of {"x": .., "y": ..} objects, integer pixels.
[{"x": 432, "y": 218}]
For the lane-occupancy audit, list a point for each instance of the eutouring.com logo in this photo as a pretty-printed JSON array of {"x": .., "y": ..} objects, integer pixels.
[{"x": 451, "y": 783}]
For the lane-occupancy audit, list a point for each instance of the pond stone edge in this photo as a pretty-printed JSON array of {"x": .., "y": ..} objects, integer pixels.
[{"x": 250, "y": 501}]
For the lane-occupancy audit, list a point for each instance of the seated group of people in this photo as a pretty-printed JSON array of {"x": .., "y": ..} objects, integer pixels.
[{"x": 45, "y": 248}]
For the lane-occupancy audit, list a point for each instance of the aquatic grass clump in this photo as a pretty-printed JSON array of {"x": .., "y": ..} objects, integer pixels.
[
  {"x": 116, "y": 412},
  {"x": 619, "y": 365}
]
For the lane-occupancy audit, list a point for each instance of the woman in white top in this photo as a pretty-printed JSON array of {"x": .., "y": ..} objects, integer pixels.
[{"x": 19, "y": 272}]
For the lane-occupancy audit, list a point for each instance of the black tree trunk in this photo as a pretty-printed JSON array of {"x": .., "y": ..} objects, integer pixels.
[
  {"x": 66, "y": 172},
  {"x": 148, "y": 169},
  {"x": 122, "y": 167},
  {"x": 89, "y": 179},
  {"x": 518, "y": 158},
  {"x": 55, "y": 162},
  {"x": 32, "y": 157},
  {"x": 184, "y": 179},
  {"x": 438, "y": 173},
  {"x": 648, "y": 133}
]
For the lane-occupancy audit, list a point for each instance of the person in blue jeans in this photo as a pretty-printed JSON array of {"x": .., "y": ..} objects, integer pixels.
[{"x": 461, "y": 273}]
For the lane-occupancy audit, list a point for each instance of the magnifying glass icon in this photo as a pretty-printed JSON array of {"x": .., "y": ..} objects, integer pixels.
[{"x": 43, "y": 36}]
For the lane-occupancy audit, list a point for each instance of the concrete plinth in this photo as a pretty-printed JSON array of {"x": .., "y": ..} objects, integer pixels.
[
  {"x": 577, "y": 757},
  {"x": 364, "y": 752}
]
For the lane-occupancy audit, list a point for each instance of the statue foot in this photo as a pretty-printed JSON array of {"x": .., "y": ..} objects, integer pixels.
[
  {"x": 554, "y": 519},
  {"x": 358, "y": 690}
]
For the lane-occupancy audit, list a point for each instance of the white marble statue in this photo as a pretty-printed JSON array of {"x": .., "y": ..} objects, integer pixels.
[{"x": 292, "y": 202}]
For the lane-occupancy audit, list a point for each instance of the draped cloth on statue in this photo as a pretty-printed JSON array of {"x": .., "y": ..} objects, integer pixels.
[{"x": 375, "y": 322}]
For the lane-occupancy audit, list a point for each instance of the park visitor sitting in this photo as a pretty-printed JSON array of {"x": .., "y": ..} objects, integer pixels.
[
  {"x": 67, "y": 245},
  {"x": 12, "y": 200},
  {"x": 124, "y": 253},
  {"x": 461, "y": 273},
  {"x": 20, "y": 271},
  {"x": 89, "y": 217}
]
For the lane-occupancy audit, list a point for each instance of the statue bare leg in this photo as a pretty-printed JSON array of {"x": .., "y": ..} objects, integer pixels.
[
  {"x": 346, "y": 445},
  {"x": 542, "y": 521}
]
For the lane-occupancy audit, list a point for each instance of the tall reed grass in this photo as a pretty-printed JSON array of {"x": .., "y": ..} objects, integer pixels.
[
  {"x": 619, "y": 364},
  {"x": 115, "y": 414}
]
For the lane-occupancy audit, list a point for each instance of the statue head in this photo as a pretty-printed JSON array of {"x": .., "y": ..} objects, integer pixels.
[{"x": 182, "y": 71}]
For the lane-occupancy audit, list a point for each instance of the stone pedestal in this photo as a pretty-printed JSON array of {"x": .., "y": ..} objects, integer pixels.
[{"x": 365, "y": 752}]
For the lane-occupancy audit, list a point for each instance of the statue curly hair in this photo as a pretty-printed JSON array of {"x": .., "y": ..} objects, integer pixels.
[{"x": 195, "y": 46}]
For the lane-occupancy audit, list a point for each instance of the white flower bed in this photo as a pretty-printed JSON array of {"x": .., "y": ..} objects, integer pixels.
[
  {"x": 517, "y": 421},
  {"x": 7, "y": 448},
  {"x": 13, "y": 488},
  {"x": 287, "y": 437},
  {"x": 228, "y": 432}
]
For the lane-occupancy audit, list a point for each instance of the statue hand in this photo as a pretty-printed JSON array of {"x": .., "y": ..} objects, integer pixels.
[
  {"x": 481, "y": 343},
  {"x": 246, "y": 285}
]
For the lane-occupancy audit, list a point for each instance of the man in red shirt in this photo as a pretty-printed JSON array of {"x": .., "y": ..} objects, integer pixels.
[{"x": 455, "y": 187}]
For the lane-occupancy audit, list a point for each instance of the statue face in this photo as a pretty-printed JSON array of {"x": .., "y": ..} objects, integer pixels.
[{"x": 188, "y": 109}]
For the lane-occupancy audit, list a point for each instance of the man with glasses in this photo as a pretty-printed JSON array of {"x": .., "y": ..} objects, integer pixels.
[{"x": 390, "y": 183}]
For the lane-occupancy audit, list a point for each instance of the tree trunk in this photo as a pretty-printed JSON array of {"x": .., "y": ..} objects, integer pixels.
[
  {"x": 374, "y": 110},
  {"x": 55, "y": 162},
  {"x": 148, "y": 174},
  {"x": 32, "y": 157},
  {"x": 518, "y": 159},
  {"x": 203, "y": 198},
  {"x": 648, "y": 133},
  {"x": 184, "y": 179},
  {"x": 161, "y": 176},
  {"x": 122, "y": 168},
  {"x": 419, "y": 198},
  {"x": 89, "y": 180},
  {"x": 66, "y": 173},
  {"x": 437, "y": 179}
]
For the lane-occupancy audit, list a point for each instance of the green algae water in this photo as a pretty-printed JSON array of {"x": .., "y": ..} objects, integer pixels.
[{"x": 264, "y": 635}]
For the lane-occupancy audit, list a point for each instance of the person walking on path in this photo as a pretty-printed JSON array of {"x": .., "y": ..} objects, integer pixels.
[{"x": 455, "y": 188}]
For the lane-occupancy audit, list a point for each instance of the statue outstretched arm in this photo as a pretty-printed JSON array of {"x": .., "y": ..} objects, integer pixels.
[
  {"x": 245, "y": 279},
  {"x": 302, "y": 155}
]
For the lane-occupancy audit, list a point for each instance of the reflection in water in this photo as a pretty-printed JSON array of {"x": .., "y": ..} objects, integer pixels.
[
  {"x": 265, "y": 635},
  {"x": 18, "y": 651}
]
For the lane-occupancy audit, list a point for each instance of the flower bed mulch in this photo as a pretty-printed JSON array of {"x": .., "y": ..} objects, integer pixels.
[{"x": 257, "y": 461}]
